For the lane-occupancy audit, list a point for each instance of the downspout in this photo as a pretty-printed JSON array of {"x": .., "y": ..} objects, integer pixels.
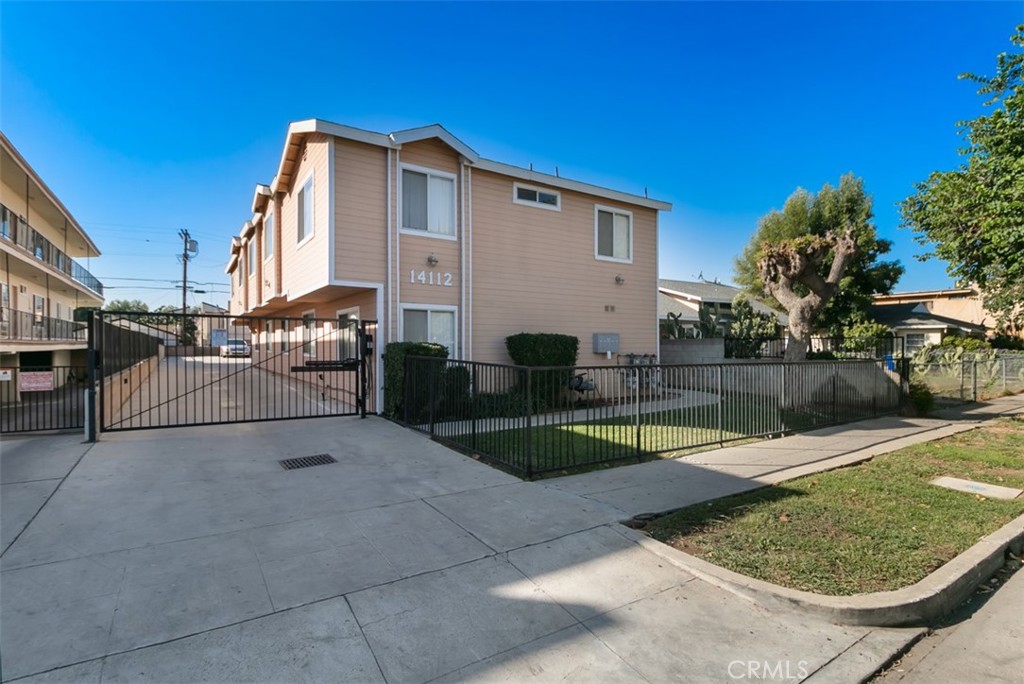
[
  {"x": 469, "y": 277},
  {"x": 391, "y": 282},
  {"x": 398, "y": 239},
  {"x": 462, "y": 254}
]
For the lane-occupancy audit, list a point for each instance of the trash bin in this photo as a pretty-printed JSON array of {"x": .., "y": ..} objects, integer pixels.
[{"x": 890, "y": 364}]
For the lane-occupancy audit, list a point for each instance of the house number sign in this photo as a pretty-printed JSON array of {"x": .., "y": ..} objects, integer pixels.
[{"x": 431, "y": 278}]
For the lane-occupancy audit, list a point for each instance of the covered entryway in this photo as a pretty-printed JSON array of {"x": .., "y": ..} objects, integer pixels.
[{"x": 173, "y": 370}]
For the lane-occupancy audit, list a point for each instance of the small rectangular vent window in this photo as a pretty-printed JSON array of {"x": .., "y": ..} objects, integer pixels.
[
  {"x": 306, "y": 461},
  {"x": 538, "y": 197}
]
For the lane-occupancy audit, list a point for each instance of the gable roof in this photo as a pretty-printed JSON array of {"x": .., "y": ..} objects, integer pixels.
[
  {"x": 298, "y": 130},
  {"x": 916, "y": 315},
  {"x": 701, "y": 292}
]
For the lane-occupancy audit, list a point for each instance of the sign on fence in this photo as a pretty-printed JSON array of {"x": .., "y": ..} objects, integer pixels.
[
  {"x": 35, "y": 381},
  {"x": 5, "y": 374}
]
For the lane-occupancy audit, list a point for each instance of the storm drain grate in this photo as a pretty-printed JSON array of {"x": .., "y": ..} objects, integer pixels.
[{"x": 306, "y": 461}]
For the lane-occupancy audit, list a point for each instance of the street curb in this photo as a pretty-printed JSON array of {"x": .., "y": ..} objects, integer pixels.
[{"x": 917, "y": 605}]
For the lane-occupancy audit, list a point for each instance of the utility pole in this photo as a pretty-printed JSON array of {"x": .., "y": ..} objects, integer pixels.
[{"x": 189, "y": 251}]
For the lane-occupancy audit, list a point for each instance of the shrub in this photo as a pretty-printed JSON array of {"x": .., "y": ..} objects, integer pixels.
[
  {"x": 394, "y": 372},
  {"x": 968, "y": 344},
  {"x": 921, "y": 399},
  {"x": 824, "y": 355},
  {"x": 1004, "y": 341},
  {"x": 865, "y": 336},
  {"x": 545, "y": 349}
]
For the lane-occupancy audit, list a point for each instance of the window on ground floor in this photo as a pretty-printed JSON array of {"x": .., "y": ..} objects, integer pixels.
[
  {"x": 308, "y": 326},
  {"x": 430, "y": 325},
  {"x": 914, "y": 342},
  {"x": 348, "y": 327}
]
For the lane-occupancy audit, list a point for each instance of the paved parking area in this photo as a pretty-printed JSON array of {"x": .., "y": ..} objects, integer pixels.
[{"x": 191, "y": 555}]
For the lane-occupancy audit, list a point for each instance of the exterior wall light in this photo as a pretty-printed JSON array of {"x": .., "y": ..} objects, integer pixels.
[
  {"x": 619, "y": 280},
  {"x": 432, "y": 260}
]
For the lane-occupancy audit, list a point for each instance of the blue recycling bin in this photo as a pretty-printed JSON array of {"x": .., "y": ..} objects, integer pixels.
[{"x": 890, "y": 364}]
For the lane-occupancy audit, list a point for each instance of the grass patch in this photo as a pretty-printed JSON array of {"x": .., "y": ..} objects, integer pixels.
[
  {"x": 872, "y": 527},
  {"x": 558, "y": 450}
]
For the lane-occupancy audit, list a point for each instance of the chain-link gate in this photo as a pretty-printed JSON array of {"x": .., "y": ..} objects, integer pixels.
[{"x": 174, "y": 370}]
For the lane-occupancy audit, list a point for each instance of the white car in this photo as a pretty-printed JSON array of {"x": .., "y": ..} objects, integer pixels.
[{"x": 235, "y": 348}]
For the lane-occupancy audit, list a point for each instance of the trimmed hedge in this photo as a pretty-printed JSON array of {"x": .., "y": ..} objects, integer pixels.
[
  {"x": 544, "y": 349},
  {"x": 394, "y": 371}
]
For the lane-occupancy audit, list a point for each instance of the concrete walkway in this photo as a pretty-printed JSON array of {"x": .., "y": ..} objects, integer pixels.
[{"x": 190, "y": 555}]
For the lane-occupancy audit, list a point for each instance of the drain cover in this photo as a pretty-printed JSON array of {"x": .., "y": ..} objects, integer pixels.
[{"x": 306, "y": 461}]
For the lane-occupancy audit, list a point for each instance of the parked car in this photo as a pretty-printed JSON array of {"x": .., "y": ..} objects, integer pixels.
[{"x": 235, "y": 348}]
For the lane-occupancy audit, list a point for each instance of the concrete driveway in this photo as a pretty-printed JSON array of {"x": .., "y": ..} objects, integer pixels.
[{"x": 191, "y": 555}]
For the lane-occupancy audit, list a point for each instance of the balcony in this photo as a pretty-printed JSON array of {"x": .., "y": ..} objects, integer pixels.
[
  {"x": 13, "y": 229},
  {"x": 21, "y": 326}
]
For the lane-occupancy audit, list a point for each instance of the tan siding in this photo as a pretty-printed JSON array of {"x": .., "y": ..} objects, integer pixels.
[
  {"x": 360, "y": 207},
  {"x": 433, "y": 154},
  {"x": 415, "y": 250},
  {"x": 304, "y": 268},
  {"x": 534, "y": 270}
]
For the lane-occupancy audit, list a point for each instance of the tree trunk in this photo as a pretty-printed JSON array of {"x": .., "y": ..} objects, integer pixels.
[{"x": 799, "y": 333}]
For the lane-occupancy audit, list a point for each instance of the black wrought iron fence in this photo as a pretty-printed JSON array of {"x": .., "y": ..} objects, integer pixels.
[
  {"x": 42, "y": 398},
  {"x": 541, "y": 420}
]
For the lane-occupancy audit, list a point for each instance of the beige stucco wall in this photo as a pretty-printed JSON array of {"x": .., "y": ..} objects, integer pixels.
[{"x": 534, "y": 270}]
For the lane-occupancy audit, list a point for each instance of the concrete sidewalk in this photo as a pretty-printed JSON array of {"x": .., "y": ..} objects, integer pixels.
[{"x": 190, "y": 555}]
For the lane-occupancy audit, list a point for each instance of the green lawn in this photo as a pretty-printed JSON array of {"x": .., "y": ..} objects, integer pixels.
[
  {"x": 565, "y": 449},
  {"x": 873, "y": 527}
]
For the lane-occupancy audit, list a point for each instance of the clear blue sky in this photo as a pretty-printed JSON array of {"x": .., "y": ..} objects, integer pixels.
[{"x": 146, "y": 117}]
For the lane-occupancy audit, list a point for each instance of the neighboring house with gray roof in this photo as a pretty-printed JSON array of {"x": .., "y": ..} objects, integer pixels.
[
  {"x": 920, "y": 327},
  {"x": 685, "y": 298}
]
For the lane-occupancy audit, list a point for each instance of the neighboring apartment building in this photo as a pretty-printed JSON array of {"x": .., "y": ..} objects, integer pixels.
[
  {"x": 417, "y": 231},
  {"x": 41, "y": 283},
  {"x": 961, "y": 304}
]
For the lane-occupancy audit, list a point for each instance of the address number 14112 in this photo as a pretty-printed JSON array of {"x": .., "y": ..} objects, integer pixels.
[{"x": 431, "y": 278}]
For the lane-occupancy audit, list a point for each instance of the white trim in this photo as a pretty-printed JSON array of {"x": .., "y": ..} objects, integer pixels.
[
  {"x": 537, "y": 189},
  {"x": 613, "y": 210},
  {"x": 447, "y": 308},
  {"x": 468, "y": 311},
  {"x": 266, "y": 257},
  {"x": 390, "y": 259},
  {"x": 364, "y": 284},
  {"x": 454, "y": 235},
  {"x": 657, "y": 273},
  {"x": 434, "y": 131},
  {"x": 332, "y": 189},
  {"x": 393, "y": 322},
  {"x": 462, "y": 253},
  {"x": 566, "y": 184},
  {"x": 312, "y": 203},
  {"x": 348, "y": 310},
  {"x": 302, "y": 341}
]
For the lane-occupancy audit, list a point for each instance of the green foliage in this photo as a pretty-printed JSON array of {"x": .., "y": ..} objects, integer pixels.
[
  {"x": 545, "y": 349},
  {"x": 921, "y": 400},
  {"x": 749, "y": 329},
  {"x": 126, "y": 306},
  {"x": 1004, "y": 341},
  {"x": 968, "y": 344},
  {"x": 394, "y": 373},
  {"x": 673, "y": 327},
  {"x": 823, "y": 355},
  {"x": 973, "y": 216},
  {"x": 805, "y": 221},
  {"x": 709, "y": 320},
  {"x": 542, "y": 349},
  {"x": 864, "y": 336}
]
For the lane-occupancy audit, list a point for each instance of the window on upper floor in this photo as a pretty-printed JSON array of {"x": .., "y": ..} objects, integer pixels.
[
  {"x": 251, "y": 264},
  {"x": 305, "y": 209},
  {"x": 428, "y": 202},
  {"x": 536, "y": 197},
  {"x": 268, "y": 236},
  {"x": 613, "y": 234}
]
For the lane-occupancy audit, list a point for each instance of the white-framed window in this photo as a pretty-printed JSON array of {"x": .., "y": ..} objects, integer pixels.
[
  {"x": 428, "y": 201},
  {"x": 308, "y": 328},
  {"x": 268, "y": 237},
  {"x": 284, "y": 334},
  {"x": 268, "y": 335},
  {"x": 430, "y": 323},
  {"x": 304, "y": 204},
  {"x": 914, "y": 342},
  {"x": 613, "y": 234},
  {"x": 534, "y": 196},
  {"x": 250, "y": 266},
  {"x": 348, "y": 333}
]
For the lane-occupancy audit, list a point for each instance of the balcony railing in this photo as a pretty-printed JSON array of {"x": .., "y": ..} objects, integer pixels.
[
  {"x": 25, "y": 325},
  {"x": 14, "y": 229}
]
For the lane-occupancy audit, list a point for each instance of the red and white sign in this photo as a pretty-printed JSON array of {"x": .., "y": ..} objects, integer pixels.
[{"x": 35, "y": 381}]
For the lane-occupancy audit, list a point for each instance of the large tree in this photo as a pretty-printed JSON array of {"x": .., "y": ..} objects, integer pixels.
[
  {"x": 973, "y": 216},
  {"x": 818, "y": 260}
]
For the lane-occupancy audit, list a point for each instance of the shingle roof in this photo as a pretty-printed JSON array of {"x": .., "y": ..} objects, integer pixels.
[
  {"x": 668, "y": 305},
  {"x": 711, "y": 293},
  {"x": 915, "y": 315}
]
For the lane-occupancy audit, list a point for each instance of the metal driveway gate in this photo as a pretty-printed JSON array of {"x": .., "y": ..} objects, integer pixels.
[
  {"x": 45, "y": 398},
  {"x": 174, "y": 370}
]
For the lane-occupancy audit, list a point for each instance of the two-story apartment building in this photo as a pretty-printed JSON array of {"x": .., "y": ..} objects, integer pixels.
[
  {"x": 417, "y": 231},
  {"x": 41, "y": 283}
]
